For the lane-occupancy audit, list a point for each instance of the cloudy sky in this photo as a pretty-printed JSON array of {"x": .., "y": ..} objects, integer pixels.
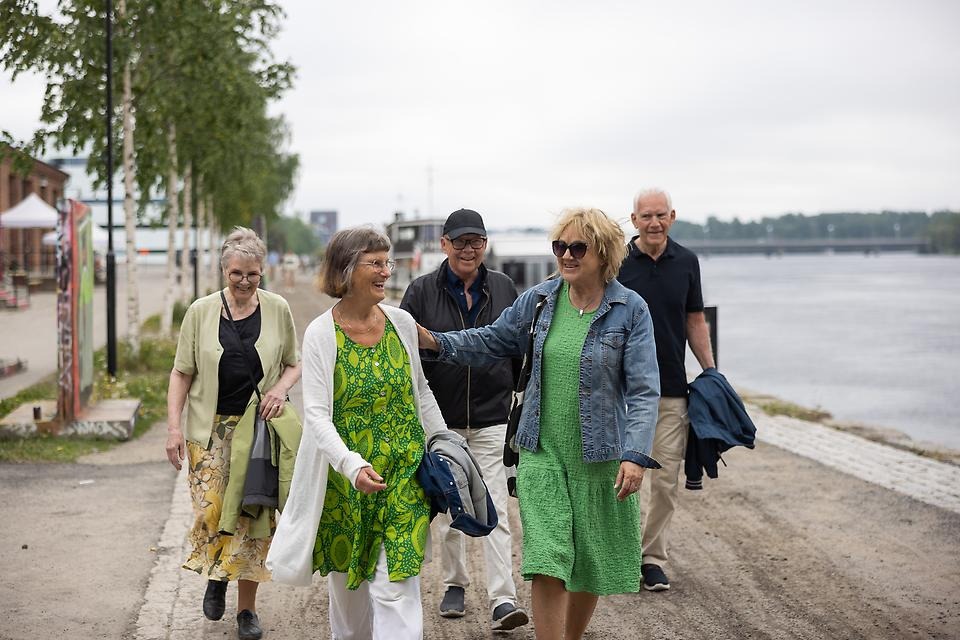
[{"x": 518, "y": 109}]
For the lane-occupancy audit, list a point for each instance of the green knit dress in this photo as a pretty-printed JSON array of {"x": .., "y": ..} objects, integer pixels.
[
  {"x": 574, "y": 528},
  {"x": 375, "y": 413}
]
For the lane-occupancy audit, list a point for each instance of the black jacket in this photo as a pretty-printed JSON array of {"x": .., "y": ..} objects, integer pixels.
[
  {"x": 469, "y": 397},
  {"x": 718, "y": 421}
]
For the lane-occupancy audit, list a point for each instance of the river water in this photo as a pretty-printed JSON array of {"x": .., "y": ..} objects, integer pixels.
[{"x": 871, "y": 339}]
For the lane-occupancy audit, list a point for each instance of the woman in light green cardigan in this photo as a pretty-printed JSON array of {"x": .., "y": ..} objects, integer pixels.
[{"x": 211, "y": 376}]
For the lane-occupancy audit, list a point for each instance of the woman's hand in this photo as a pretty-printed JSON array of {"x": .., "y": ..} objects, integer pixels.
[
  {"x": 176, "y": 447},
  {"x": 427, "y": 341},
  {"x": 369, "y": 481},
  {"x": 271, "y": 404},
  {"x": 629, "y": 479}
]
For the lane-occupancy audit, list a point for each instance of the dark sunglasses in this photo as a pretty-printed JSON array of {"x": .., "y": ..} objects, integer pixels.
[{"x": 577, "y": 249}]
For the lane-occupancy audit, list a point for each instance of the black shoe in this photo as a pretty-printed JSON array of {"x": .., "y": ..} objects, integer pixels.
[
  {"x": 214, "y": 600},
  {"x": 452, "y": 604},
  {"x": 507, "y": 616},
  {"x": 654, "y": 579},
  {"x": 248, "y": 625}
]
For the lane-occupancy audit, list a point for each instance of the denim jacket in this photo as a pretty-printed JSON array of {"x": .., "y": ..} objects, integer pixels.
[{"x": 619, "y": 378}]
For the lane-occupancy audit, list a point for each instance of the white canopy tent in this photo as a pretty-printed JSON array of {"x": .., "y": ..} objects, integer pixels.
[
  {"x": 30, "y": 213},
  {"x": 100, "y": 239}
]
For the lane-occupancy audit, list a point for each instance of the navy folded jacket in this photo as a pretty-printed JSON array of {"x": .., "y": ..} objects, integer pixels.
[
  {"x": 451, "y": 478},
  {"x": 718, "y": 421}
]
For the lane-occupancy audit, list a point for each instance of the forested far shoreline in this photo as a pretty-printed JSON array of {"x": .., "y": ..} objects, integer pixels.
[{"x": 941, "y": 228}]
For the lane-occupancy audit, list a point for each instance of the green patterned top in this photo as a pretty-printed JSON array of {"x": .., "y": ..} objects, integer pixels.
[{"x": 375, "y": 413}]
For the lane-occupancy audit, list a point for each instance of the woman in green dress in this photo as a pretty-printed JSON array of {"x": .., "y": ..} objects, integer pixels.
[
  {"x": 367, "y": 413},
  {"x": 587, "y": 424}
]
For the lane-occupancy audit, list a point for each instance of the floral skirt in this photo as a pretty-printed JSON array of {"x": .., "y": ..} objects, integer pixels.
[{"x": 215, "y": 556}]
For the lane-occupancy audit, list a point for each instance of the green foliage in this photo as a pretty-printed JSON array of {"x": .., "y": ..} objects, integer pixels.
[
  {"x": 777, "y": 407},
  {"x": 152, "y": 324},
  {"x": 944, "y": 232},
  {"x": 47, "y": 448},
  {"x": 208, "y": 77},
  {"x": 143, "y": 376},
  {"x": 291, "y": 234},
  {"x": 44, "y": 390},
  {"x": 179, "y": 310},
  {"x": 941, "y": 227},
  {"x": 200, "y": 67}
]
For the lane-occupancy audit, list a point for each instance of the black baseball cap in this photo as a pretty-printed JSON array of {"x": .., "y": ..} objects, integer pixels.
[{"x": 463, "y": 221}]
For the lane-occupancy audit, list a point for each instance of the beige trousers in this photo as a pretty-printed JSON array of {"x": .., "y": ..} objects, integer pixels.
[
  {"x": 661, "y": 487},
  {"x": 487, "y": 447}
]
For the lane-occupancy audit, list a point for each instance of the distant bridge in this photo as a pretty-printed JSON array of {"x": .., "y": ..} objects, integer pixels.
[{"x": 813, "y": 245}]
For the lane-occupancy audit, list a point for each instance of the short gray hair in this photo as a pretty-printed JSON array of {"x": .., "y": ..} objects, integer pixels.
[
  {"x": 653, "y": 191},
  {"x": 342, "y": 254},
  {"x": 245, "y": 243}
]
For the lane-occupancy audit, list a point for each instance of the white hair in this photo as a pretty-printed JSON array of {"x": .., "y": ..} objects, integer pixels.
[
  {"x": 653, "y": 191},
  {"x": 242, "y": 242}
]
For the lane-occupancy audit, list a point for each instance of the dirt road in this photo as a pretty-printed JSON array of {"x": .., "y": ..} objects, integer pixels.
[{"x": 779, "y": 546}]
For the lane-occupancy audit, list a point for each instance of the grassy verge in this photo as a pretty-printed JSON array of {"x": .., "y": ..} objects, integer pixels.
[
  {"x": 142, "y": 376},
  {"x": 887, "y": 436},
  {"x": 776, "y": 407}
]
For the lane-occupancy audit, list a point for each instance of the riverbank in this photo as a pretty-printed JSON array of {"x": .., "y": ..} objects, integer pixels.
[
  {"x": 873, "y": 340},
  {"x": 888, "y": 436}
]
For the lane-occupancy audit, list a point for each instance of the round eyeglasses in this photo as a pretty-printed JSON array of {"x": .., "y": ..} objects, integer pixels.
[
  {"x": 379, "y": 265},
  {"x": 236, "y": 277}
]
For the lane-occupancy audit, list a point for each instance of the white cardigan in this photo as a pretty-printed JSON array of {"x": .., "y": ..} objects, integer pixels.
[{"x": 291, "y": 553}]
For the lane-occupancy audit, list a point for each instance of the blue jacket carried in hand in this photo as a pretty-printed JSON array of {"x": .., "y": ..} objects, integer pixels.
[
  {"x": 718, "y": 421},
  {"x": 451, "y": 478}
]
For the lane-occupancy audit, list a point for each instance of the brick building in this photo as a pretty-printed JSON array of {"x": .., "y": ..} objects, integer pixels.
[{"x": 22, "y": 248}]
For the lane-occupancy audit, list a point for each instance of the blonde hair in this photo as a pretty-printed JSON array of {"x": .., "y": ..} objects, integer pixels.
[
  {"x": 244, "y": 242},
  {"x": 600, "y": 232},
  {"x": 342, "y": 254}
]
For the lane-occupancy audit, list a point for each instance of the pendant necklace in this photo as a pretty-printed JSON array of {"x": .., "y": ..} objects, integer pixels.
[
  {"x": 350, "y": 327},
  {"x": 580, "y": 309}
]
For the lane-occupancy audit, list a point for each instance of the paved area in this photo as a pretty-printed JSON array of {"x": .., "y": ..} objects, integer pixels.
[
  {"x": 926, "y": 480},
  {"x": 31, "y": 333}
]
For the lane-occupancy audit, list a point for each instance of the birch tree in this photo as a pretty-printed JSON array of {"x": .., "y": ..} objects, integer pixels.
[{"x": 70, "y": 52}]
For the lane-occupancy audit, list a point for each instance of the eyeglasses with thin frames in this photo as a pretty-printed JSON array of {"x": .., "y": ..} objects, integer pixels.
[
  {"x": 577, "y": 249},
  {"x": 389, "y": 265},
  {"x": 236, "y": 277},
  {"x": 475, "y": 243}
]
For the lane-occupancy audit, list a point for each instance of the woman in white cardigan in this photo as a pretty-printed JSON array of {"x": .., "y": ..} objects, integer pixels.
[{"x": 368, "y": 412}]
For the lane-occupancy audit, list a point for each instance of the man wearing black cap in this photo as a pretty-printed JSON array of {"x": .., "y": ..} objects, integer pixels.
[{"x": 475, "y": 401}]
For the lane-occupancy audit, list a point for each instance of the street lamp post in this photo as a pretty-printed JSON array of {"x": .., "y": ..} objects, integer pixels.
[
  {"x": 195, "y": 256},
  {"x": 111, "y": 257}
]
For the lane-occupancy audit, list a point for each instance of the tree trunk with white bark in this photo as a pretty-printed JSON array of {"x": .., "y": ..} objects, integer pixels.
[
  {"x": 173, "y": 221},
  {"x": 185, "y": 282},
  {"x": 129, "y": 213}
]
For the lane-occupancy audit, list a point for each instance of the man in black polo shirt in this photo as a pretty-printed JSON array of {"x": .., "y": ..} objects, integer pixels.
[{"x": 667, "y": 277}]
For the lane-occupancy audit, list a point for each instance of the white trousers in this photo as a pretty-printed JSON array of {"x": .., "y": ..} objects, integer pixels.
[
  {"x": 662, "y": 486},
  {"x": 378, "y": 610},
  {"x": 487, "y": 447}
]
